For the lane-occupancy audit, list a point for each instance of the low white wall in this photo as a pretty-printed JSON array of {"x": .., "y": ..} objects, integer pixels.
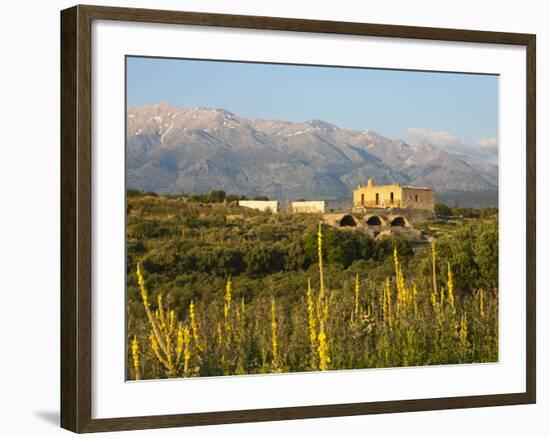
[
  {"x": 308, "y": 207},
  {"x": 260, "y": 205}
]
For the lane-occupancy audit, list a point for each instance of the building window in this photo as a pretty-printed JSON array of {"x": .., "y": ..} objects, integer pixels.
[
  {"x": 391, "y": 198},
  {"x": 377, "y": 198},
  {"x": 416, "y": 198},
  {"x": 362, "y": 199}
]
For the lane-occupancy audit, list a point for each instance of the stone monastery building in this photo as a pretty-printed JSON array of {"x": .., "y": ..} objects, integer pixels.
[{"x": 393, "y": 196}]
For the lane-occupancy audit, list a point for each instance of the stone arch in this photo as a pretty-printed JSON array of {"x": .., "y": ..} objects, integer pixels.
[
  {"x": 374, "y": 220},
  {"x": 399, "y": 221},
  {"x": 348, "y": 221}
]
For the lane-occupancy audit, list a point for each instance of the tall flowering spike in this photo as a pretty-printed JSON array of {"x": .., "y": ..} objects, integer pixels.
[
  {"x": 243, "y": 319},
  {"x": 385, "y": 303},
  {"x": 186, "y": 350},
  {"x": 450, "y": 286},
  {"x": 433, "y": 299},
  {"x": 172, "y": 322},
  {"x": 481, "y": 303},
  {"x": 227, "y": 297},
  {"x": 274, "y": 340},
  {"x": 320, "y": 257},
  {"x": 141, "y": 283},
  {"x": 135, "y": 357},
  {"x": 150, "y": 316},
  {"x": 161, "y": 311},
  {"x": 387, "y": 306},
  {"x": 434, "y": 278},
  {"x": 226, "y": 310},
  {"x": 325, "y": 311},
  {"x": 154, "y": 343},
  {"x": 463, "y": 335},
  {"x": 397, "y": 278},
  {"x": 402, "y": 292},
  {"x": 158, "y": 354},
  {"x": 436, "y": 306},
  {"x": 194, "y": 326},
  {"x": 415, "y": 300},
  {"x": 219, "y": 333},
  {"x": 324, "y": 358},
  {"x": 240, "y": 338},
  {"x": 390, "y": 303},
  {"x": 179, "y": 343},
  {"x": 356, "y": 306},
  {"x": 311, "y": 317}
]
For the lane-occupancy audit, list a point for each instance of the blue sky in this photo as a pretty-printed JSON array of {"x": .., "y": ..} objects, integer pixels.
[{"x": 452, "y": 110}]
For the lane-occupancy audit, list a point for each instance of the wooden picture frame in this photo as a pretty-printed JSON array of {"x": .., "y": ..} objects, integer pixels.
[{"x": 76, "y": 217}]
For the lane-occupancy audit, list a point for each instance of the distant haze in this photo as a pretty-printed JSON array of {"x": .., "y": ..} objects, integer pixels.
[{"x": 173, "y": 150}]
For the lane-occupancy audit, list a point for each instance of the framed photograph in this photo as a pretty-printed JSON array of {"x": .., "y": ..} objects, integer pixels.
[{"x": 270, "y": 218}]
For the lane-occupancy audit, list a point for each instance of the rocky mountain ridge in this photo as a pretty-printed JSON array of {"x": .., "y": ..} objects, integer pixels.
[{"x": 172, "y": 150}]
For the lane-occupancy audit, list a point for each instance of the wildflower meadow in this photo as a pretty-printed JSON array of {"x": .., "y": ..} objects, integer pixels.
[{"x": 417, "y": 309}]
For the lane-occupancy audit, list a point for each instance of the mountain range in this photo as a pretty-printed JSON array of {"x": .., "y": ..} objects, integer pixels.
[{"x": 174, "y": 150}]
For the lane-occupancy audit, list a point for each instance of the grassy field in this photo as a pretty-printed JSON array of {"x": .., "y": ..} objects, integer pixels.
[{"x": 214, "y": 289}]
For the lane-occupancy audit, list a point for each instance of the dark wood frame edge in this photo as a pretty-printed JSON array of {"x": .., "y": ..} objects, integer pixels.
[{"x": 76, "y": 168}]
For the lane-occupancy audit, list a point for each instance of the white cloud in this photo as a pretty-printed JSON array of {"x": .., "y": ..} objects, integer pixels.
[
  {"x": 442, "y": 139},
  {"x": 485, "y": 149},
  {"x": 489, "y": 144}
]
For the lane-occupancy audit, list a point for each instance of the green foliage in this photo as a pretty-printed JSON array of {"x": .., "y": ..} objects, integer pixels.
[
  {"x": 472, "y": 251},
  {"x": 264, "y": 258},
  {"x": 489, "y": 212},
  {"x": 468, "y": 212},
  {"x": 150, "y": 229},
  {"x": 384, "y": 248},
  {"x": 342, "y": 246},
  {"x": 442, "y": 210},
  {"x": 486, "y": 254}
]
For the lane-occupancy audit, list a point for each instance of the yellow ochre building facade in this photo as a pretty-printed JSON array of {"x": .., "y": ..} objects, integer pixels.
[{"x": 393, "y": 196}]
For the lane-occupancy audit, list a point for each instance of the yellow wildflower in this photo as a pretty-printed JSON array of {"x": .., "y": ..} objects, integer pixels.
[
  {"x": 324, "y": 358},
  {"x": 274, "y": 340},
  {"x": 186, "y": 351},
  {"x": 194, "y": 326},
  {"x": 320, "y": 257},
  {"x": 450, "y": 287},
  {"x": 311, "y": 317},
  {"x": 135, "y": 356},
  {"x": 356, "y": 306}
]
